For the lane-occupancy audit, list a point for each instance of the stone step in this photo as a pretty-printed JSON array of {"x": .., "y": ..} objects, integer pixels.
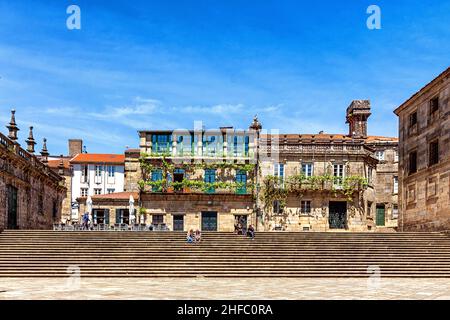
[{"x": 166, "y": 254}]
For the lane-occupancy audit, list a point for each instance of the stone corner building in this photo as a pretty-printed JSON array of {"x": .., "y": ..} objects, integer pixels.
[
  {"x": 31, "y": 194},
  {"x": 333, "y": 182},
  {"x": 424, "y": 169}
]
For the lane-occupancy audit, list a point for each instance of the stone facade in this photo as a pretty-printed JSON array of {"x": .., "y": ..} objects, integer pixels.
[
  {"x": 31, "y": 193},
  {"x": 370, "y": 160},
  {"x": 321, "y": 154},
  {"x": 62, "y": 167},
  {"x": 424, "y": 155}
]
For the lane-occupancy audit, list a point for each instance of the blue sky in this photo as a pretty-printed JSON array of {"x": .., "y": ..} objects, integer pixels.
[{"x": 165, "y": 64}]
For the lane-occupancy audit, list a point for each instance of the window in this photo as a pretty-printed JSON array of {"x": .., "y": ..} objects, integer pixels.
[
  {"x": 97, "y": 191},
  {"x": 413, "y": 119},
  {"x": 156, "y": 176},
  {"x": 305, "y": 207},
  {"x": 395, "y": 212},
  {"x": 277, "y": 207},
  {"x": 307, "y": 169},
  {"x": 157, "y": 219},
  {"x": 338, "y": 172},
  {"x": 241, "y": 178},
  {"x": 98, "y": 171},
  {"x": 111, "y": 171},
  {"x": 412, "y": 162},
  {"x": 110, "y": 190},
  {"x": 238, "y": 145},
  {"x": 433, "y": 153},
  {"x": 370, "y": 175},
  {"x": 369, "y": 208},
  {"x": 84, "y": 192},
  {"x": 278, "y": 170},
  {"x": 395, "y": 184},
  {"x": 380, "y": 155},
  {"x": 210, "y": 177},
  {"x": 161, "y": 143},
  {"x": 434, "y": 105},
  {"x": 84, "y": 173},
  {"x": 396, "y": 156}
]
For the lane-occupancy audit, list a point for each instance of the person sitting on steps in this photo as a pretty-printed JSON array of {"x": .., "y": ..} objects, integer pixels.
[
  {"x": 190, "y": 236},
  {"x": 251, "y": 232},
  {"x": 198, "y": 236}
]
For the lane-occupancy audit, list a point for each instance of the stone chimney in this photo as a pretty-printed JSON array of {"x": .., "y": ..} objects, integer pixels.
[
  {"x": 12, "y": 127},
  {"x": 44, "y": 152},
  {"x": 30, "y": 141},
  {"x": 357, "y": 114},
  {"x": 75, "y": 147}
]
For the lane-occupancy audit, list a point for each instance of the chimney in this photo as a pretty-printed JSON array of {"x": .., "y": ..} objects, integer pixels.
[
  {"x": 44, "y": 152},
  {"x": 75, "y": 147},
  {"x": 357, "y": 114},
  {"x": 12, "y": 127},
  {"x": 30, "y": 141}
]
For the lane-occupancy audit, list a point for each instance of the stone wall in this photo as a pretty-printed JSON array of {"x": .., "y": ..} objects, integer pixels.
[
  {"x": 39, "y": 192},
  {"x": 132, "y": 170},
  {"x": 425, "y": 195},
  {"x": 192, "y": 205}
]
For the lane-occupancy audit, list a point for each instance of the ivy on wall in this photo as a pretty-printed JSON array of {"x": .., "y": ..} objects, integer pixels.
[{"x": 167, "y": 168}]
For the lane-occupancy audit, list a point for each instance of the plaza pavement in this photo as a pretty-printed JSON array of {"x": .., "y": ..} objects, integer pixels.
[{"x": 228, "y": 288}]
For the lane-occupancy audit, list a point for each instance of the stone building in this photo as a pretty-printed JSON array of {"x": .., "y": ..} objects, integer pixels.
[
  {"x": 62, "y": 167},
  {"x": 31, "y": 193},
  {"x": 322, "y": 182},
  {"x": 210, "y": 179},
  {"x": 424, "y": 155}
]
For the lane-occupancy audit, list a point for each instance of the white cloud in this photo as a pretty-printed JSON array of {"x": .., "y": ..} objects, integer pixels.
[{"x": 218, "y": 109}]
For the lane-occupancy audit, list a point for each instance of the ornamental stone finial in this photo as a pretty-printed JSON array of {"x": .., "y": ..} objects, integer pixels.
[
  {"x": 30, "y": 141},
  {"x": 12, "y": 127}
]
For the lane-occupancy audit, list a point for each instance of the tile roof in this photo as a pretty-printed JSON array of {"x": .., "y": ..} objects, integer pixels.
[
  {"x": 98, "y": 158},
  {"x": 54, "y": 164},
  {"x": 117, "y": 195},
  {"x": 326, "y": 136}
]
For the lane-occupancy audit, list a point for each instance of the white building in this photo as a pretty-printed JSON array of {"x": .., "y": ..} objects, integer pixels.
[{"x": 96, "y": 174}]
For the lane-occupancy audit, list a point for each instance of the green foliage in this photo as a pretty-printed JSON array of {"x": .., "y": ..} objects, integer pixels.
[
  {"x": 274, "y": 188},
  {"x": 167, "y": 168}
]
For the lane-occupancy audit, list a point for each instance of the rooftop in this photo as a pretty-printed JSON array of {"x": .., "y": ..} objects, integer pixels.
[{"x": 98, "y": 158}]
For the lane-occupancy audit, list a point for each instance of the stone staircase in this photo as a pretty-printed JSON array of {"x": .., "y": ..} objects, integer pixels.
[{"x": 32, "y": 253}]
